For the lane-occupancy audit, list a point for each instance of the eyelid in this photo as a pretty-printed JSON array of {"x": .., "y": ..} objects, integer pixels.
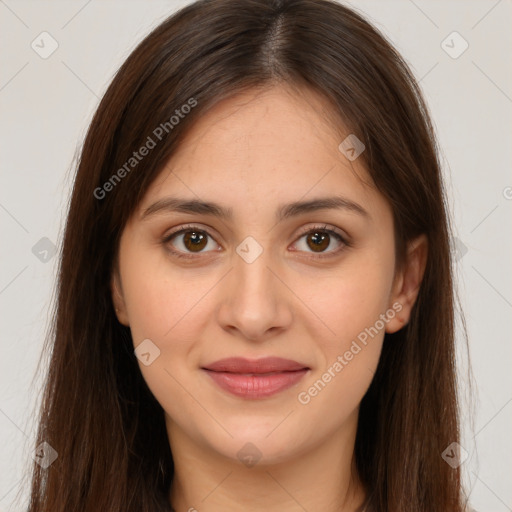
[
  {"x": 190, "y": 227},
  {"x": 305, "y": 230},
  {"x": 324, "y": 227}
]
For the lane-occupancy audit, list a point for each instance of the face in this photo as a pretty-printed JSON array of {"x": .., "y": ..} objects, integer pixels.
[{"x": 313, "y": 285}]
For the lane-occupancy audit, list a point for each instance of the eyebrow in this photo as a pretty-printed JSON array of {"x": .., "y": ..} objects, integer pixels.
[{"x": 194, "y": 206}]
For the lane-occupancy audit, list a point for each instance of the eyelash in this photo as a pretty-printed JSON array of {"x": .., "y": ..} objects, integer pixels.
[{"x": 320, "y": 228}]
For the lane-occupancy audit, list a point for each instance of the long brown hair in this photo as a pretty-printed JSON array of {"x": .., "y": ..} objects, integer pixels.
[{"x": 97, "y": 412}]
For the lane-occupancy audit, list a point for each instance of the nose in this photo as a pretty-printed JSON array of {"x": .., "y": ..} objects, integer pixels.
[{"x": 255, "y": 303}]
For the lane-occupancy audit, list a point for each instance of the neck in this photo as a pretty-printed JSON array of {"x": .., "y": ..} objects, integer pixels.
[{"x": 323, "y": 478}]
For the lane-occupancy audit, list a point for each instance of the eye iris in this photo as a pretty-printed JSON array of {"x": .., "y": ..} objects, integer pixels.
[
  {"x": 319, "y": 240},
  {"x": 198, "y": 240}
]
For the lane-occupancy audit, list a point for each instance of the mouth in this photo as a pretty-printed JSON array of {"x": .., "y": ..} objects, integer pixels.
[{"x": 255, "y": 379}]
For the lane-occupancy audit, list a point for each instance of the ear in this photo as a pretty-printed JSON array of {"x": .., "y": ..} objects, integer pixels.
[
  {"x": 407, "y": 283},
  {"x": 118, "y": 298}
]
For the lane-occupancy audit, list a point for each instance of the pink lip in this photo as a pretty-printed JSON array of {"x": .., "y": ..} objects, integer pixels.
[{"x": 258, "y": 378}]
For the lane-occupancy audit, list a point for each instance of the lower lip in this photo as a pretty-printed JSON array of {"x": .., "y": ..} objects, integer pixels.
[{"x": 256, "y": 385}]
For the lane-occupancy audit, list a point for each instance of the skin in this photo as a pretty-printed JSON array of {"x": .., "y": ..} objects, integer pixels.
[{"x": 253, "y": 153}]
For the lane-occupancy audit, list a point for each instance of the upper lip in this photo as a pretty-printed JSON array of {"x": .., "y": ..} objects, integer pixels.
[{"x": 263, "y": 365}]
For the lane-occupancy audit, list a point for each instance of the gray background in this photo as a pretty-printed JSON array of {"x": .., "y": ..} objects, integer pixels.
[{"x": 47, "y": 103}]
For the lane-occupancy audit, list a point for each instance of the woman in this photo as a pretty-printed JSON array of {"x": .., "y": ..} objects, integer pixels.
[{"x": 255, "y": 303}]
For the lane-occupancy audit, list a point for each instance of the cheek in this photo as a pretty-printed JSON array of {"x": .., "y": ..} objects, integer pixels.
[
  {"x": 158, "y": 296},
  {"x": 351, "y": 306},
  {"x": 353, "y": 298},
  {"x": 166, "y": 308},
  {"x": 170, "y": 308}
]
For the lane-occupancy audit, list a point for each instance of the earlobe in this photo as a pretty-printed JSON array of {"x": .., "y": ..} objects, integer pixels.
[
  {"x": 407, "y": 283},
  {"x": 118, "y": 299}
]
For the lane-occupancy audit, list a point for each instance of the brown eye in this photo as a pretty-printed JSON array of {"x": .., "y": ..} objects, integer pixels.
[
  {"x": 322, "y": 241},
  {"x": 318, "y": 241},
  {"x": 189, "y": 241},
  {"x": 194, "y": 241}
]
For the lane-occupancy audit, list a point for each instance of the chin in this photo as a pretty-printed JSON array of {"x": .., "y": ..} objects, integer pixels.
[{"x": 260, "y": 445}]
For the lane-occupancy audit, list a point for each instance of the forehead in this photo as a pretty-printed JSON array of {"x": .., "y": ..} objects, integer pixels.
[{"x": 264, "y": 147}]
